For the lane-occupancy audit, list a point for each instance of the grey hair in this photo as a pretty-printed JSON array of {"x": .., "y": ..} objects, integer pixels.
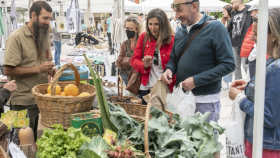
[
  {"x": 242, "y": 1},
  {"x": 197, "y": 2},
  {"x": 135, "y": 19}
]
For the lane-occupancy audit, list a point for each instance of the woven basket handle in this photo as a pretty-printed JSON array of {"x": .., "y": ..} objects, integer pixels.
[
  {"x": 120, "y": 79},
  {"x": 147, "y": 118},
  {"x": 59, "y": 73}
]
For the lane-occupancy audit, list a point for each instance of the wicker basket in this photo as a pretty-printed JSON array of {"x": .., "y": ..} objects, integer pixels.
[
  {"x": 147, "y": 119},
  {"x": 114, "y": 99},
  {"x": 57, "y": 109}
]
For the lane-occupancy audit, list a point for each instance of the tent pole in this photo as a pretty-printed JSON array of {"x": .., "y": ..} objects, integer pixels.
[
  {"x": 260, "y": 79},
  {"x": 122, "y": 18}
]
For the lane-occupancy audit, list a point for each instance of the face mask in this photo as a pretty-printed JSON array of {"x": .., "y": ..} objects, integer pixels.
[{"x": 130, "y": 34}]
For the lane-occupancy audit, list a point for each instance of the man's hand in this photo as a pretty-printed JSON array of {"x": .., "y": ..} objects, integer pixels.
[
  {"x": 11, "y": 86},
  {"x": 148, "y": 61},
  {"x": 167, "y": 77},
  {"x": 239, "y": 84},
  {"x": 233, "y": 93},
  {"x": 188, "y": 84},
  {"x": 53, "y": 72},
  {"x": 46, "y": 67}
]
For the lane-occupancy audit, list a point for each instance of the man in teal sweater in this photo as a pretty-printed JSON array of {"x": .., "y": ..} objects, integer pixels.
[{"x": 206, "y": 61}]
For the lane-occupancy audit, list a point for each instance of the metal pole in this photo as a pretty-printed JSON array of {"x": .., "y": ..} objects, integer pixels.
[{"x": 260, "y": 79}]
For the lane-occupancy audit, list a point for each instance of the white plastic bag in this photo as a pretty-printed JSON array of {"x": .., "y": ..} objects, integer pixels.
[
  {"x": 181, "y": 103},
  {"x": 61, "y": 21},
  {"x": 235, "y": 146},
  {"x": 88, "y": 17}
]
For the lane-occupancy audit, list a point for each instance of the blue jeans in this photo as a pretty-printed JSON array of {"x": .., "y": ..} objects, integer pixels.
[
  {"x": 57, "y": 46},
  {"x": 228, "y": 78},
  {"x": 142, "y": 93}
]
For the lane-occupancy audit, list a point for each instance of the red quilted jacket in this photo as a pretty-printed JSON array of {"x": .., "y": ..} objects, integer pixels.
[
  {"x": 136, "y": 60},
  {"x": 247, "y": 45}
]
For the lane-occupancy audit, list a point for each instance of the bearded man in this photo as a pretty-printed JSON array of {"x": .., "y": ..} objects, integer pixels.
[{"x": 27, "y": 59}]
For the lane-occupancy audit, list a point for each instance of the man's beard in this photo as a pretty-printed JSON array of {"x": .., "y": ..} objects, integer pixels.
[{"x": 42, "y": 38}]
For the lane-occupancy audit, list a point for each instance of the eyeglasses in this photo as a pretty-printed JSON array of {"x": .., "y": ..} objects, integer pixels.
[
  {"x": 156, "y": 60},
  {"x": 233, "y": 2},
  {"x": 177, "y": 5}
]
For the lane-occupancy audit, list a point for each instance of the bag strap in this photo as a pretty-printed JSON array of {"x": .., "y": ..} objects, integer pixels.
[
  {"x": 88, "y": 5},
  {"x": 192, "y": 38},
  {"x": 144, "y": 45},
  {"x": 61, "y": 13}
]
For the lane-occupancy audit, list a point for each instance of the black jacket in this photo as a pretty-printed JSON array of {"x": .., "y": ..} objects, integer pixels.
[
  {"x": 4, "y": 97},
  {"x": 246, "y": 23}
]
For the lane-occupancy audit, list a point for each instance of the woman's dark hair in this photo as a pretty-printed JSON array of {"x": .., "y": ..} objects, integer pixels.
[
  {"x": 165, "y": 30},
  {"x": 38, "y": 6},
  {"x": 228, "y": 8}
]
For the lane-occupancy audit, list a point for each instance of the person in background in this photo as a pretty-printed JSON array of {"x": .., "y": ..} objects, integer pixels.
[
  {"x": 240, "y": 23},
  {"x": 84, "y": 28},
  {"x": 28, "y": 61},
  {"x": 133, "y": 28},
  {"x": 225, "y": 20},
  {"x": 108, "y": 25},
  {"x": 271, "y": 126},
  {"x": 202, "y": 77},
  {"x": 158, "y": 42},
  {"x": 141, "y": 17},
  {"x": 5, "y": 93},
  {"x": 173, "y": 24},
  {"x": 57, "y": 38},
  {"x": 250, "y": 45}
]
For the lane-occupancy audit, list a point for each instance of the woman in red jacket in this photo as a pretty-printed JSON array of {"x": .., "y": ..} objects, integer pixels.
[{"x": 158, "y": 42}]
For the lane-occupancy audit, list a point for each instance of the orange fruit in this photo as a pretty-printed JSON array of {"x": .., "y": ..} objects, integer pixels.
[
  {"x": 57, "y": 90},
  {"x": 84, "y": 94},
  {"x": 71, "y": 89},
  {"x": 62, "y": 94}
]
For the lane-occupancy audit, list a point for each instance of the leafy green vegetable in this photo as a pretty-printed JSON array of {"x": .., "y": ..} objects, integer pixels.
[
  {"x": 97, "y": 145},
  {"x": 102, "y": 102},
  {"x": 89, "y": 154},
  {"x": 58, "y": 143},
  {"x": 125, "y": 124}
]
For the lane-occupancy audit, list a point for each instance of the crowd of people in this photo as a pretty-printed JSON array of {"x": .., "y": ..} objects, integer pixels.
[
  {"x": 217, "y": 50},
  {"x": 190, "y": 48}
]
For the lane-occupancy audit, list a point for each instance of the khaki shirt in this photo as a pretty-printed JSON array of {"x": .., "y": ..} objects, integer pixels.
[{"x": 21, "y": 51}]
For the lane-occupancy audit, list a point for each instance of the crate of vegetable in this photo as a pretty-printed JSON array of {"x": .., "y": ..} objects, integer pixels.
[{"x": 58, "y": 100}]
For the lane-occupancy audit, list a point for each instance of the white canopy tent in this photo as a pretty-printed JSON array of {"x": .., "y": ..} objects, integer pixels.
[
  {"x": 271, "y": 3},
  {"x": 97, "y": 6},
  {"x": 205, "y": 5}
]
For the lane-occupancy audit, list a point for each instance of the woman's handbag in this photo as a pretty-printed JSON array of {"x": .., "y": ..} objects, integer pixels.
[{"x": 134, "y": 77}]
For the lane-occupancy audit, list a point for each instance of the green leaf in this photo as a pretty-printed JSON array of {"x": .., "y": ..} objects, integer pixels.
[
  {"x": 217, "y": 127},
  {"x": 89, "y": 154},
  {"x": 96, "y": 144},
  {"x": 207, "y": 147},
  {"x": 102, "y": 102},
  {"x": 155, "y": 112}
]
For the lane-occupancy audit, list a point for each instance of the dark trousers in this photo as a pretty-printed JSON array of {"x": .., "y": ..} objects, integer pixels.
[
  {"x": 142, "y": 94},
  {"x": 110, "y": 40},
  {"x": 33, "y": 112},
  {"x": 252, "y": 68}
]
